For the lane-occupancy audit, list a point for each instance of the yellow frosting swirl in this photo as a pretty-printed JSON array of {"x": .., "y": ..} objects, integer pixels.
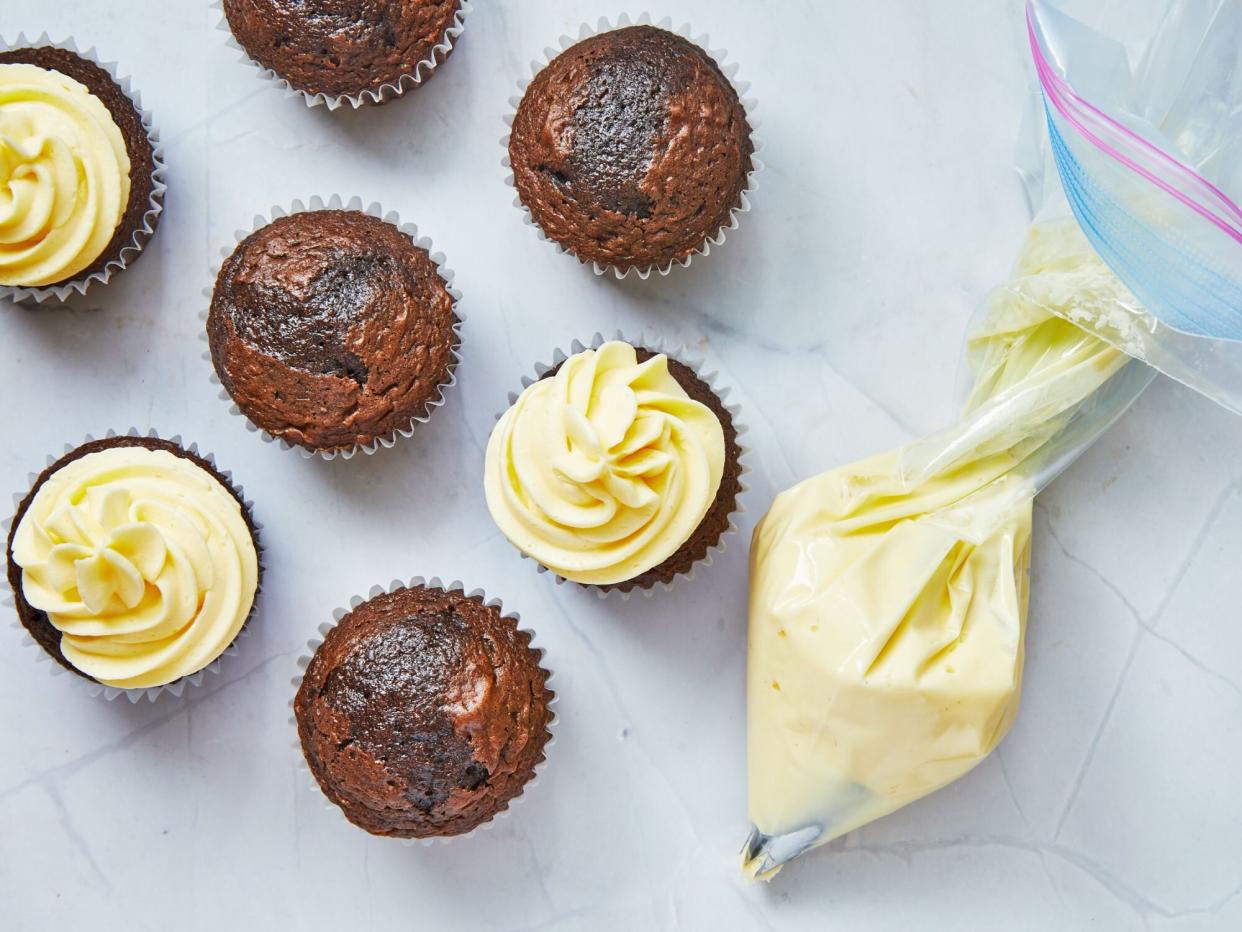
[
  {"x": 604, "y": 470},
  {"x": 64, "y": 176},
  {"x": 142, "y": 559}
]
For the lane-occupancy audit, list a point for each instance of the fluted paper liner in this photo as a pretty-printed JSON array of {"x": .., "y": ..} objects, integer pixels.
[
  {"x": 720, "y": 389},
  {"x": 335, "y": 202},
  {"x": 434, "y": 582},
  {"x": 155, "y": 205},
  {"x": 729, "y": 70},
  {"x": 371, "y": 96},
  {"x": 178, "y": 686}
]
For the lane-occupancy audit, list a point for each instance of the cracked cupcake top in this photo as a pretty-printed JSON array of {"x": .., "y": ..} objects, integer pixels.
[
  {"x": 423, "y": 713},
  {"x": 334, "y": 47},
  {"x": 331, "y": 328},
  {"x": 631, "y": 148}
]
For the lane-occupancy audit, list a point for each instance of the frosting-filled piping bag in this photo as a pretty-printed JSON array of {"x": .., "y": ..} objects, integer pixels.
[{"x": 889, "y": 596}]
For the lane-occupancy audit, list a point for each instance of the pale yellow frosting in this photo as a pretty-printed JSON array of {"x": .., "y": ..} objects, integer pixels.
[
  {"x": 64, "y": 176},
  {"x": 888, "y": 597},
  {"x": 142, "y": 559},
  {"x": 604, "y": 470}
]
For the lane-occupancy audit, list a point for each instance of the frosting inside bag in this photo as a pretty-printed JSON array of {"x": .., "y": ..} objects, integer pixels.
[{"x": 888, "y": 596}]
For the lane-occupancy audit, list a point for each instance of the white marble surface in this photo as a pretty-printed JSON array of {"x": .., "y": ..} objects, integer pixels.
[{"x": 887, "y": 209}]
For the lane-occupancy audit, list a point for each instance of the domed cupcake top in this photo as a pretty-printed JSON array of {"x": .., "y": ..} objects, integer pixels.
[
  {"x": 423, "y": 713},
  {"x": 631, "y": 148},
  {"x": 64, "y": 176},
  {"x": 332, "y": 328},
  {"x": 605, "y": 469},
  {"x": 141, "y": 559},
  {"x": 334, "y": 48}
]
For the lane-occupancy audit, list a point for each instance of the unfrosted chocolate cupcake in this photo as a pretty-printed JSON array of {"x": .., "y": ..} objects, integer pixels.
[
  {"x": 332, "y": 329},
  {"x": 346, "y": 49},
  {"x": 423, "y": 713},
  {"x": 62, "y": 112},
  {"x": 631, "y": 148}
]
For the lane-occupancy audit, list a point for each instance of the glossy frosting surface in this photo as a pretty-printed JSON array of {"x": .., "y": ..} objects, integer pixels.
[
  {"x": 142, "y": 560},
  {"x": 605, "y": 469},
  {"x": 64, "y": 176},
  {"x": 889, "y": 596}
]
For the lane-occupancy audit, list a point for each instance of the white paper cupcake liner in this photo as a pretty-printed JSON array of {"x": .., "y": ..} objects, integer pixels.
[
  {"x": 433, "y": 583},
  {"x": 749, "y": 104},
  {"x": 150, "y": 693},
  {"x": 380, "y": 95},
  {"x": 720, "y": 388},
  {"x": 335, "y": 202},
  {"x": 155, "y": 205}
]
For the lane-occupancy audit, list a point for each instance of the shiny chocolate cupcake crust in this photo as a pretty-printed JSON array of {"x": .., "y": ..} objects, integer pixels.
[
  {"x": 631, "y": 149},
  {"x": 332, "y": 329},
  {"x": 367, "y": 51},
  {"x": 424, "y": 712}
]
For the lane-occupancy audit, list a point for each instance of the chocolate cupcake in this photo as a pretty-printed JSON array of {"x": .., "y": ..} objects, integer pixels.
[
  {"x": 134, "y": 564},
  {"x": 424, "y": 712},
  {"x": 618, "y": 467},
  {"x": 80, "y": 162},
  {"x": 360, "y": 53},
  {"x": 631, "y": 149},
  {"x": 334, "y": 330}
]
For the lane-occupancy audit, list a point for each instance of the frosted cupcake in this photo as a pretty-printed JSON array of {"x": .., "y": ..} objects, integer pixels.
[
  {"x": 79, "y": 196},
  {"x": 133, "y": 562},
  {"x": 618, "y": 469}
]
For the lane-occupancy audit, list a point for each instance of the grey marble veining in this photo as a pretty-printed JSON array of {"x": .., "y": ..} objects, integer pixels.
[{"x": 888, "y": 208}]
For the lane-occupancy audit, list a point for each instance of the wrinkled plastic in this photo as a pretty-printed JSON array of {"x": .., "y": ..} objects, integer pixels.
[
  {"x": 889, "y": 596},
  {"x": 1149, "y": 159}
]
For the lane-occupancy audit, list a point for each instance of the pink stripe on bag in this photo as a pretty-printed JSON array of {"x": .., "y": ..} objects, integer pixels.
[{"x": 1064, "y": 99}]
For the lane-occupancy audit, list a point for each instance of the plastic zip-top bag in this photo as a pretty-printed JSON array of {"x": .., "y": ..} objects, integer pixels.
[
  {"x": 1145, "y": 156},
  {"x": 888, "y": 598}
]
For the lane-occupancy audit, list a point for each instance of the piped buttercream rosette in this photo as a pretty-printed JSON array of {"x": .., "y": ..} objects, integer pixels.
[
  {"x": 142, "y": 560},
  {"x": 606, "y": 468}
]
